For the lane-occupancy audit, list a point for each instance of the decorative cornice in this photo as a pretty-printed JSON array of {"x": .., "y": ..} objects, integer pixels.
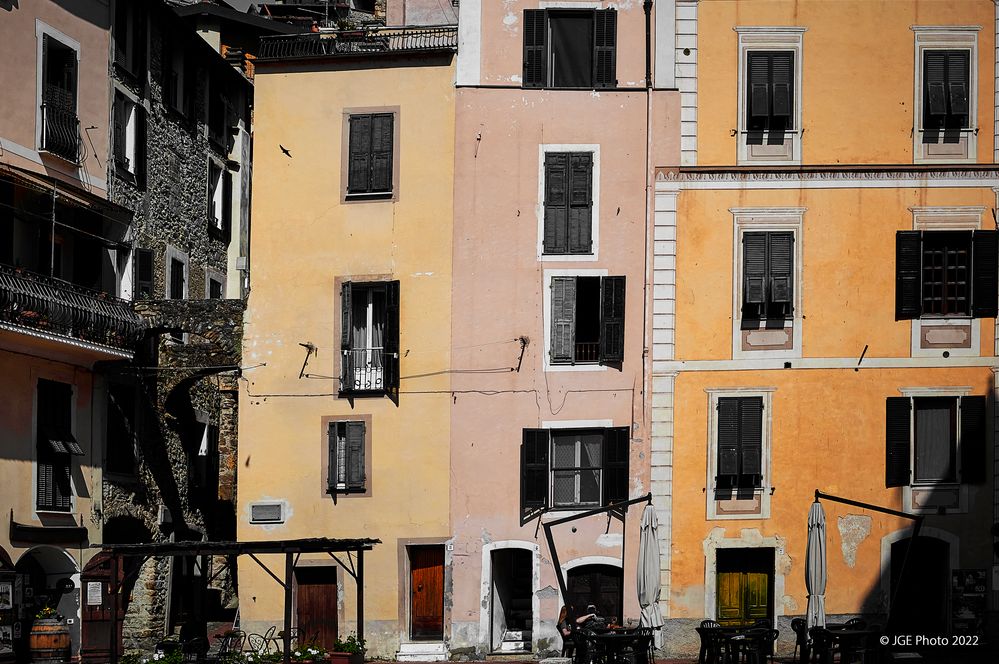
[
  {"x": 798, "y": 174},
  {"x": 945, "y": 28},
  {"x": 769, "y": 29}
]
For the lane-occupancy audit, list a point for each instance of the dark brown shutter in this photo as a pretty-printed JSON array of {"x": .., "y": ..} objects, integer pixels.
[
  {"x": 985, "y": 273},
  {"x": 908, "y": 281},
  {"x": 533, "y": 472},
  {"x": 556, "y": 200},
  {"x": 758, "y": 92},
  {"x": 728, "y": 437},
  {"x": 754, "y": 277},
  {"x": 332, "y": 467},
  {"x": 391, "y": 342},
  {"x": 143, "y": 259},
  {"x": 45, "y": 64},
  {"x": 974, "y": 436},
  {"x": 61, "y": 483},
  {"x": 355, "y": 456},
  {"x": 934, "y": 81},
  {"x": 359, "y": 156},
  {"x": 381, "y": 152},
  {"x": 535, "y": 48},
  {"x": 580, "y": 203},
  {"x": 604, "y": 48},
  {"x": 615, "y": 470},
  {"x": 345, "y": 309},
  {"x": 612, "y": 292},
  {"x": 72, "y": 78},
  {"x": 751, "y": 440},
  {"x": 958, "y": 79},
  {"x": 119, "y": 110},
  {"x": 563, "y": 342},
  {"x": 897, "y": 435},
  {"x": 781, "y": 269},
  {"x": 782, "y": 85}
]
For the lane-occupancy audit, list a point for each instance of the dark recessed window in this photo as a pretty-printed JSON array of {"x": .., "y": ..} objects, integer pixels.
[
  {"x": 567, "y": 48},
  {"x": 946, "y": 85},
  {"x": 587, "y": 320},
  {"x": 946, "y": 273},
  {"x": 369, "y": 343}
]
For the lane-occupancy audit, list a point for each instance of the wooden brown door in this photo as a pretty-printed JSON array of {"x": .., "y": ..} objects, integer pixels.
[
  {"x": 102, "y": 622},
  {"x": 744, "y": 585},
  {"x": 426, "y": 564},
  {"x": 316, "y": 604}
]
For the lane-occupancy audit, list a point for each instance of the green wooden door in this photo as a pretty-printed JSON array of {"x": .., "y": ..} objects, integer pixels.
[{"x": 743, "y": 597}]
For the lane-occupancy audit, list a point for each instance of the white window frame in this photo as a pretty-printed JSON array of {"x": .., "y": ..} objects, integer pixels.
[
  {"x": 131, "y": 129},
  {"x": 788, "y": 219},
  {"x": 558, "y": 425},
  {"x": 43, "y": 28},
  {"x": 766, "y": 393},
  {"x": 770, "y": 38},
  {"x": 547, "y": 304},
  {"x": 949, "y": 218},
  {"x": 945, "y": 37},
  {"x": 594, "y": 150}
]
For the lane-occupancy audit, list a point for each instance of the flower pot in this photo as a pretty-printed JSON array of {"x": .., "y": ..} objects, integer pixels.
[
  {"x": 345, "y": 658},
  {"x": 49, "y": 641}
]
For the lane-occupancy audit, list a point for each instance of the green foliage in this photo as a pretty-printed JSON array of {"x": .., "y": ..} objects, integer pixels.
[
  {"x": 45, "y": 613},
  {"x": 351, "y": 644}
]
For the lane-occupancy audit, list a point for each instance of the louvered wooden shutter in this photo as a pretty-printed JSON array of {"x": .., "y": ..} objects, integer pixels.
[
  {"x": 612, "y": 292},
  {"x": 556, "y": 199},
  {"x": 897, "y": 435},
  {"x": 908, "y": 280},
  {"x": 62, "y": 484},
  {"x": 758, "y": 91},
  {"x": 45, "y": 484},
  {"x": 985, "y": 273},
  {"x": 728, "y": 437},
  {"x": 580, "y": 203},
  {"x": 120, "y": 111},
  {"x": 615, "y": 468},
  {"x": 782, "y": 86},
  {"x": 563, "y": 341},
  {"x": 535, "y": 48},
  {"x": 934, "y": 80},
  {"x": 958, "y": 83},
  {"x": 226, "y": 204},
  {"x": 391, "y": 342},
  {"x": 781, "y": 267},
  {"x": 974, "y": 436},
  {"x": 754, "y": 275},
  {"x": 333, "y": 463},
  {"x": 359, "y": 156},
  {"x": 381, "y": 152},
  {"x": 533, "y": 472},
  {"x": 605, "y": 48},
  {"x": 71, "y": 78},
  {"x": 751, "y": 440},
  {"x": 345, "y": 309},
  {"x": 143, "y": 274},
  {"x": 45, "y": 64},
  {"x": 355, "y": 455}
]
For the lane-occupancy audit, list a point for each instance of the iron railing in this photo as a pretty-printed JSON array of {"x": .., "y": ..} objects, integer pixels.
[
  {"x": 59, "y": 307},
  {"x": 362, "y": 370},
  {"x": 60, "y": 130},
  {"x": 358, "y": 42}
]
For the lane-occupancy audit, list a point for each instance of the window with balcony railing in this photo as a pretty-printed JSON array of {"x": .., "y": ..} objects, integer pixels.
[
  {"x": 369, "y": 338},
  {"x": 60, "y": 125}
]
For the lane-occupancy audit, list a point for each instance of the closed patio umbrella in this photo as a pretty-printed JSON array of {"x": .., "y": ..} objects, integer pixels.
[
  {"x": 815, "y": 566},
  {"x": 648, "y": 573}
]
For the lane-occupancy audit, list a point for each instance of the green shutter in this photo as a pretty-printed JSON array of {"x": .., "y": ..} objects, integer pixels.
[
  {"x": 781, "y": 271},
  {"x": 612, "y": 294},
  {"x": 605, "y": 48},
  {"x": 782, "y": 86},
  {"x": 985, "y": 272},
  {"x": 359, "y": 155},
  {"x": 754, "y": 277},
  {"x": 728, "y": 438},
  {"x": 563, "y": 319},
  {"x": 898, "y": 421},
  {"x": 758, "y": 87},
  {"x": 533, "y": 473},
  {"x": 333, "y": 463},
  {"x": 382, "y": 130},
  {"x": 974, "y": 436},
  {"x": 355, "y": 456},
  {"x": 535, "y": 48},
  {"x": 934, "y": 81},
  {"x": 908, "y": 280},
  {"x": 958, "y": 79},
  {"x": 580, "y": 233},
  {"x": 556, "y": 203},
  {"x": 750, "y": 441}
]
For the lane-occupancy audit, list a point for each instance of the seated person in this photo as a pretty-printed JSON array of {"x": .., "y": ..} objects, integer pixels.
[{"x": 591, "y": 619}]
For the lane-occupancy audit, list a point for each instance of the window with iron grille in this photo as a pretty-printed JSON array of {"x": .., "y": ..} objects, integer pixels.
[
  {"x": 56, "y": 446},
  {"x": 767, "y": 278},
  {"x": 946, "y": 274},
  {"x": 370, "y": 155},
  {"x": 369, "y": 338},
  {"x": 570, "y": 48},
  {"x": 587, "y": 320},
  {"x": 60, "y": 123},
  {"x": 346, "y": 472}
]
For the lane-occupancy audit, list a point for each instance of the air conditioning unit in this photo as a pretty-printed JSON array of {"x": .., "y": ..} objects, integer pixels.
[{"x": 265, "y": 513}]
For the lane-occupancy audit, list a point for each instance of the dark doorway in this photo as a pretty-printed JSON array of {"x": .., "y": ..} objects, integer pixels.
[
  {"x": 316, "y": 605},
  {"x": 426, "y": 567},
  {"x": 919, "y": 592},
  {"x": 512, "y": 617},
  {"x": 745, "y": 585},
  {"x": 599, "y": 585}
]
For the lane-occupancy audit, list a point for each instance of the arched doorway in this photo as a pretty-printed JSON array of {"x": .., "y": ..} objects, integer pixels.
[
  {"x": 50, "y": 578},
  {"x": 598, "y": 584},
  {"x": 919, "y": 592}
]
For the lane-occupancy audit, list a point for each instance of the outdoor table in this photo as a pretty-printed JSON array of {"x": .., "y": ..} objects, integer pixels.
[
  {"x": 613, "y": 642},
  {"x": 745, "y": 646},
  {"x": 855, "y": 645}
]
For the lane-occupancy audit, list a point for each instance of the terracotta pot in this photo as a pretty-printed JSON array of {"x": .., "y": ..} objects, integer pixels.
[
  {"x": 345, "y": 658},
  {"x": 49, "y": 640}
]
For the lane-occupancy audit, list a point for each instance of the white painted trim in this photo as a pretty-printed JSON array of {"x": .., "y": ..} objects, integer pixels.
[
  {"x": 665, "y": 367},
  {"x": 766, "y": 393},
  {"x": 539, "y": 208},
  {"x": 546, "y": 364},
  {"x": 577, "y": 424},
  {"x": 468, "y": 69},
  {"x": 665, "y": 45},
  {"x": 749, "y": 539},
  {"x": 569, "y": 4},
  {"x": 935, "y": 391},
  {"x": 685, "y": 74},
  {"x": 767, "y": 30},
  {"x": 726, "y": 183},
  {"x": 952, "y": 217},
  {"x": 944, "y": 28},
  {"x": 916, "y": 332},
  {"x": 935, "y": 38},
  {"x": 217, "y": 275},
  {"x": 485, "y": 590},
  {"x": 768, "y": 219},
  {"x": 926, "y": 531}
]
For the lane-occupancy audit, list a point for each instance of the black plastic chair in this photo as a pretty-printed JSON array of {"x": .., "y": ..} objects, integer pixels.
[
  {"x": 800, "y": 628},
  {"x": 712, "y": 644},
  {"x": 856, "y": 623},
  {"x": 710, "y": 624},
  {"x": 821, "y": 645}
]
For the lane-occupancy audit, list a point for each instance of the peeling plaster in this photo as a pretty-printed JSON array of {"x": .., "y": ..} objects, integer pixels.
[
  {"x": 853, "y": 529},
  {"x": 548, "y": 592},
  {"x": 510, "y": 17},
  {"x": 610, "y": 540},
  {"x": 790, "y": 605}
]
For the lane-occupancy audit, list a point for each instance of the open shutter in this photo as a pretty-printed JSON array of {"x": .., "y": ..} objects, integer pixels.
[
  {"x": 143, "y": 259},
  {"x": 359, "y": 157},
  {"x": 615, "y": 471},
  {"x": 355, "y": 456},
  {"x": 934, "y": 80},
  {"x": 605, "y": 48},
  {"x": 381, "y": 152},
  {"x": 556, "y": 200},
  {"x": 563, "y": 343},
  {"x": 580, "y": 202},
  {"x": 139, "y": 168},
  {"x": 957, "y": 82},
  {"x": 226, "y": 204},
  {"x": 63, "y": 494},
  {"x": 781, "y": 270},
  {"x": 612, "y": 291},
  {"x": 535, "y": 48},
  {"x": 728, "y": 438},
  {"x": 908, "y": 281},
  {"x": 985, "y": 273},
  {"x": 759, "y": 85},
  {"x": 119, "y": 111},
  {"x": 782, "y": 77},
  {"x": 533, "y": 473},
  {"x": 346, "y": 357},
  {"x": 44, "y": 483},
  {"x": 391, "y": 343},
  {"x": 897, "y": 435},
  {"x": 973, "y": 439},
  {"x": 333, "y": 463},
  {"x": 754, "y": 274},
  {"x": 751, "y": 441}
]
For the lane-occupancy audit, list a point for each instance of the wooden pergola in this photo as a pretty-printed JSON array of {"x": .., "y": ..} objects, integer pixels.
[{"x": 352, "y": 563}]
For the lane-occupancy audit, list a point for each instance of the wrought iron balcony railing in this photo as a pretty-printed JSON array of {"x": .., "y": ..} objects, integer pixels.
[
  {"x": 362, "y": 370},
  {"x": 65, "y": 309},
  {"x": 358, "y": 42},
  {"x": 60, "y": 131}
]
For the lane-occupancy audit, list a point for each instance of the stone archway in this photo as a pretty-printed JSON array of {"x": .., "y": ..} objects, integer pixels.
[
  {"x": 52, "y": 578},
  {"x": 142, "y": 607}
]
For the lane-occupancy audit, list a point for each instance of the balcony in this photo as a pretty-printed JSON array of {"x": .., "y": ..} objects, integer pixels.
[
  {"x": 359, "y": 42},
  {"x": 362, "y": 370},
  {"x": 60, "y": 128},
  {"x": 58, "y": 307}
]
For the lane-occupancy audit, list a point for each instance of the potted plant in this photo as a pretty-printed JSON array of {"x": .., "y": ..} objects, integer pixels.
[{"x": 347, "y": 651}]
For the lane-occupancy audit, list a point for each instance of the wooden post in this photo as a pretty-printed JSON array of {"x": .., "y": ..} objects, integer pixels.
[
  {"x": 289, "y": 571},
  {"x": 360, "y": 594}
]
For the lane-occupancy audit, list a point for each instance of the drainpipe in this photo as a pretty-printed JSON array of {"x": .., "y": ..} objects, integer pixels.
[{"x": 649, "y": 230}]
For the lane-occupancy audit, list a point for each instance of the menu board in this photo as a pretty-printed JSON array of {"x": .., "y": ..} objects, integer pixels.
[
  {"x": 8, "y": 600},
  {"x": 968, "y": 588}
]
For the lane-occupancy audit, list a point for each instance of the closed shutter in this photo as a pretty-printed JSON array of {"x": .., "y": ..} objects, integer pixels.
[
  {"x": 612, "y": 292},
  {"x": 897, "y": 435},
  {"x": 758, "y": 88},
  {"x": 615, "y": 454},
  {"x": 45, "y": 66},
  {"x": 359, "y": 157},
  {"x": 751, "y": 441},
  {"x": 535, "y": 48},
  {"x": 71, "y": 78},
  {"x": 604, "y": 48},
  {"x": 355, "y": 456},
  {"x": 45, "y": 486},
  {"x": 908, "y": 280},
  {"x": 728, "y": 439},
  {"x": 391, "y": 343},
  {"x": 533, "y": 472},
  {"x": 973, "y": 439},
  {"x": 556, "y": 198},
  {"x": 580, "y": 203},
  {"x": 754, "y": 275},
  {"x": 563, "y": 343},
  {"x": 62, "y": 484},
  {"x": 781, "y": 266},
  {"x": 934, "y": 82},
  {"x": 782, "y": 91},
  {"x": 985, "y": 272},
  {"x": 143, "y": 274},
  {"x": 120, "y": 110},
  {"x": 381, "y": 152},
  {"x": 958, "y": 79}
]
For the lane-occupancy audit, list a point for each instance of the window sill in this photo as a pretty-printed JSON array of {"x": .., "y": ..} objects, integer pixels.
[
  {"x": 54, "y": 511},
  {"x": 576, "y": 367},
  {"x": 374, "y": 196},
  {"x": 567, "y": 258},
  {"x": 584, "y": 89}
]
